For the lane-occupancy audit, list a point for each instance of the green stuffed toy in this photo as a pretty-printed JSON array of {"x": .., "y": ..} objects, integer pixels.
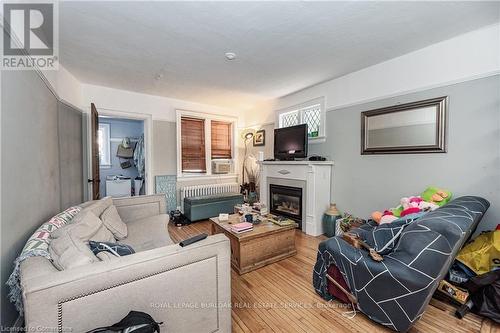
[
  {"x": 436, "y": 195},
  {"x": 397, "y": 211}
]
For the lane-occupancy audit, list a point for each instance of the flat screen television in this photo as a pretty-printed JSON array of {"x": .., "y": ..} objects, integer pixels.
[{"x": 290, "y": 142}]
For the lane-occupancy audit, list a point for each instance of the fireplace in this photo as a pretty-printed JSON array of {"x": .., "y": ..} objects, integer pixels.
[{"x": 286, "y": 201}]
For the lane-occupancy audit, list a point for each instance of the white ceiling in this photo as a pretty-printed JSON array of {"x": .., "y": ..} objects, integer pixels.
[{"x": 281, "y": 47}]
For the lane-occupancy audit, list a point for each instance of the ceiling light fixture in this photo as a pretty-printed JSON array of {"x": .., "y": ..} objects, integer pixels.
[
  {"x": 159, "y": 76},
  {"x": 230, "y": 55}
]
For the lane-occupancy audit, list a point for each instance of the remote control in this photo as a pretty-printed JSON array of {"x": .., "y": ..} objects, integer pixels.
[{"x": 192, "y": 240}]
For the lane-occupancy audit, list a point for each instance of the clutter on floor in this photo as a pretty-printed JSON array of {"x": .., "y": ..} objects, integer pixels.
[
  {"x": 474, "y": 278},
  {"x": 482, "y": 254}
]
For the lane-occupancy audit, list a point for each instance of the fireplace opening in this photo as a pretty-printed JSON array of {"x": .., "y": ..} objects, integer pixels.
[{"x": 286, "y": 201}]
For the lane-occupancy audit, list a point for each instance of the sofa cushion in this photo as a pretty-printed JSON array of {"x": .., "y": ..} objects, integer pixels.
[
  {"x": 114, "y": 223},
  {"x": 96, "y": 206},
  {"x": 68, "y": 247},
  {"x": 148, "y": 233},
  {"x": 88, "y": 227}
]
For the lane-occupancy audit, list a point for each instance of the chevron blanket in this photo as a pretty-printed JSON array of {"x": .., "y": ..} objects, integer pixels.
[
  {"x": 395, "y": 291},
  {"x": 37, "y": 245}
]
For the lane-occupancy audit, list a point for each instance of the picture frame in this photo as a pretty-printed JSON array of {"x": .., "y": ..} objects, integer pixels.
[
  {"x": 379, "y": 128},
  {"x": 259, "y": 139}
]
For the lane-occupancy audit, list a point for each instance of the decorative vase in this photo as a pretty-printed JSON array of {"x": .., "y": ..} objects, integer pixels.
[{"x": 329, "y": 220}]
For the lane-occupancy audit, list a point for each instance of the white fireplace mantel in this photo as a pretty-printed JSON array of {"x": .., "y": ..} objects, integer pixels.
[{"x": 315, "y": 178}]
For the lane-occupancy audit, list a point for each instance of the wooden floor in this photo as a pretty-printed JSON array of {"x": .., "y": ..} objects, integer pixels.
[{"x": 280, "y": 298}]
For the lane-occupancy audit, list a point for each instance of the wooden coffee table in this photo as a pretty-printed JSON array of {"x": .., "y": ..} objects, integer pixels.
[{"x": 265, "y": 244}]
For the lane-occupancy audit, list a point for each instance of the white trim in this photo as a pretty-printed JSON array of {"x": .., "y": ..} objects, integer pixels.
[
  {"x": 316, "y": 140},
  {"x": 208, "y": 147},
  {"x": 208, "y": 117},
  {"x": 148, "y": 130},
  {"x": 178, "y": 142}
]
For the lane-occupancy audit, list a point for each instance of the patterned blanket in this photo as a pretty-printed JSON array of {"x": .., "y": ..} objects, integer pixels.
[
  {"x": 395, "y": 291},
  {"x": 37, "y": 245}
]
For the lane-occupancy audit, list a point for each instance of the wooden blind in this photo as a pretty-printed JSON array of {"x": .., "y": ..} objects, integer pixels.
[
  {"x": 221, "y": 139},
  {"x": 193, "y": 145}
]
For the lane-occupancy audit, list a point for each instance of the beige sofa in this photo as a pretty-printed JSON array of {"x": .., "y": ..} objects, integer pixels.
[{"x": 188, "y": 289}]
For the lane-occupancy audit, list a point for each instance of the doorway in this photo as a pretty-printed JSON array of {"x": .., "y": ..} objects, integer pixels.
[{"x": 120, "y": 150}]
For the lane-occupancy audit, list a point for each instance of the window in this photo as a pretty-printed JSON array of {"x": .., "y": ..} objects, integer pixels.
[
  {"x": 104, "y": 146},
  {"x": 202, "y": 139},
  {"x": 193, "y": 145},
  {"x": 310, "y": 113},
  {"x": 221, "y": 137},
  {"x": 289, "y": 119}
]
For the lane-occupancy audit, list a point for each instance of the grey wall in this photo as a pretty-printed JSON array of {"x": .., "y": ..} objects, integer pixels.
[
  {"x": 268, "y": 148},
  {"x": 362, "y": 184},
  {"x": 164, "y": 148},
  {"x": 71, "y": 155},
  {"x": 41, "y": 144},
  {"x": 119, "y": 129}
]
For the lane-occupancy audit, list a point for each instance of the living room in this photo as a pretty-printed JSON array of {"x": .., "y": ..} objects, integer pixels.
[{"x": 231, "y": 166}]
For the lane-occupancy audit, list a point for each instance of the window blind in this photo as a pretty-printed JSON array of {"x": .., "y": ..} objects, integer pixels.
[
  {"x": 221, "y": 139},
  {"x": 193, "y": 145}
]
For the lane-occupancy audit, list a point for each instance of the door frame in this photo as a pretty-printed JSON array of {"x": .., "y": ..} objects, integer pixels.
[{"x": 148, "y": 131}]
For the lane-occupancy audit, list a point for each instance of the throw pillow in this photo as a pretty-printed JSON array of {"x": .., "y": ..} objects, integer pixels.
[
  {"x": 68, "y": 247},
  {"x": 116, "y": 249},
  {"x": 97, "y": 207},
  {"x": 87, "y": 226},
  {"x": 70, "y": 251},
  {"x": 114, "y": 223}
]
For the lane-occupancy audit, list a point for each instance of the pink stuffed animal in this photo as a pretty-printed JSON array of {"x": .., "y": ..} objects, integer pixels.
[
  {"x": 385, "y": 217},
  {"x": 427, "y": 206},
  {"x": 388, "y": 218},
  {"x": 410, "y": 205}
]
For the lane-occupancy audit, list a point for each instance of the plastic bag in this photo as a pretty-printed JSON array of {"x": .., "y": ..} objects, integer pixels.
[{"x": 483, "y": 253}]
